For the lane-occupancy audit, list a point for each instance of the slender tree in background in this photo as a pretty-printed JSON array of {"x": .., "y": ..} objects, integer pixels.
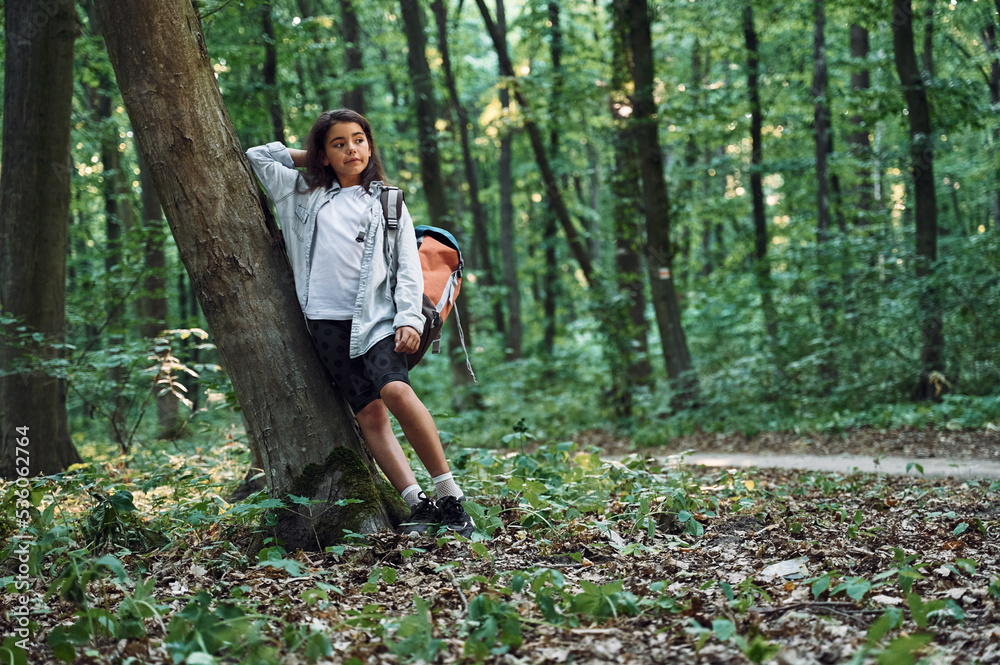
[
  {"x": 628, "y": 330},
  {"x": 821, "y": 127},
  {"x": 860, "y": 145},
  {"x": 699, "y": 77},
  {"x": 927, "y": 56},
  {"x": 34, "y": 213},
  {"x": 241, "y": 274},
  {"x": 550, "y": 292},
  {"x": 119, "y": 222},
  {"x": 482, "y": 263},
  {"x": 425, "y": 110},
  {"x": 154, "y": 300},
  {"x": 513, "y": 337},
  {"x": 271, "y": 72},
  {"x": 930, "y": 382},
  {"x": 460, "y": 377},
  {"x": 552, "y": 189},
  {"x": 659, "y": 253},
  {"x": 989, "y": 35},
  {"x": 354, "y": 95},
  {"x": 762, "y": 266}
]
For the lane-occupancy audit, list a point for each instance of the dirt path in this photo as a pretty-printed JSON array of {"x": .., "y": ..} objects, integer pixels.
[{"x": 958, "y": 468}]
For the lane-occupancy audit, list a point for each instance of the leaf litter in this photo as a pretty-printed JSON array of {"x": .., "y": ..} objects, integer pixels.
[{"x": 589, "y": 561}]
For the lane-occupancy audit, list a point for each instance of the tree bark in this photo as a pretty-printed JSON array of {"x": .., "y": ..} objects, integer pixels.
[
  {"x": 659, "y": 253},
  {"x": 302, "y": 428},
  {"x": 34, "y": 213},
  {"x": 821, "y": 125},
  {"x": 552, "y": 189},
  {"x": 929, "y": 384},
  {"x": 762, "y": 267},
  {"x": 354, "y": 96}
]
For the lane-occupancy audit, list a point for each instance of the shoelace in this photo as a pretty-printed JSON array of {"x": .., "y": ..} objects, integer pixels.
[
  {"x": 451, "y": 510},
  {"x": 424, "y": 512}
]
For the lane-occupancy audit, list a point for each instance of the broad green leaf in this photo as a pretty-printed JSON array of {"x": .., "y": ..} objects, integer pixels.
[{"x": 723, "y": 629}]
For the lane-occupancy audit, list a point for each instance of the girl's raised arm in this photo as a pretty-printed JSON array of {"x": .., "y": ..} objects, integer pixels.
[{"x": 275, "y": 167}]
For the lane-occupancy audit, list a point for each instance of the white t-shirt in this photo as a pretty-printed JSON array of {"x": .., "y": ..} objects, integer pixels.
[{"x": 336, "y": 264}]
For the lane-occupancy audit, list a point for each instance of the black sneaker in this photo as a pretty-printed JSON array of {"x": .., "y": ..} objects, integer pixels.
[
  {"x": 454, "y": 517},
  {"x": 422, "y": 516}
]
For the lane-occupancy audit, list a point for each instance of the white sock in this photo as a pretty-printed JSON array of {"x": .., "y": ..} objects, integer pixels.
[
  {"x": 411, "y": 495},
  {"x": 446, "y": 486}
]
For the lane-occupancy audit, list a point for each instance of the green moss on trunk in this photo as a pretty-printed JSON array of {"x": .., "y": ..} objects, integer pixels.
[{"x": 346, "y": 469}]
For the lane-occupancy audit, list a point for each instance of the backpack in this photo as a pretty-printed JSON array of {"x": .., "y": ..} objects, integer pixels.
[{"x": 441, "y": 264}]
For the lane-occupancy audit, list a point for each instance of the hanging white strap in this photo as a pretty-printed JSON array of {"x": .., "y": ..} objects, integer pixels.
[
  {"x": 449, "y": 293},
  {"x": 461, "y": 338}
]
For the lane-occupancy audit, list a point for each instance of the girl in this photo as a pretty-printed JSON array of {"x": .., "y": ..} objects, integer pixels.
[{"x": 361, "y": 296}]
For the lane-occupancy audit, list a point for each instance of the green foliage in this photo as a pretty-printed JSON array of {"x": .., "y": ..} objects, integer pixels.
[
  {"x": 494, "y": 628},
  {"x": 112, "y": 523},
  {"x": 200, "y": 632},
  {"x": 415, "y": 635},
  {"x": 604, "y": 601}
]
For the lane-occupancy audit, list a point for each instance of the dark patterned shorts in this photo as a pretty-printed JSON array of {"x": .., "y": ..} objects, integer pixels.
[{"x": 361, "y": 379}]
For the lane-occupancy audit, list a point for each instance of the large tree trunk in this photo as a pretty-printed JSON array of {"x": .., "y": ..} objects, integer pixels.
[
  {"x": 354, "y": 96},
  {"x": 301, "y": 426},
  {"x": 762, "y": 267},
  {"x": 659, "y": 253},
  {"x": 513, "y": 339},
  {"x": 34, "y": 213},
  {"x": 922, "y": 164},
  {"x": 627, "y": 328},
  {"x": 821, "y": 125},
  {"x": 154, "y": 301}
]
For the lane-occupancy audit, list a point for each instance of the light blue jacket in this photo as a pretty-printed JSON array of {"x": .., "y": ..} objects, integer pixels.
[{"x": 390, "y": 294}]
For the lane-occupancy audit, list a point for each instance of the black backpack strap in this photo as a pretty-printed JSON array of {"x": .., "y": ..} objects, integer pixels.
[{"x": 392, "y": 206}]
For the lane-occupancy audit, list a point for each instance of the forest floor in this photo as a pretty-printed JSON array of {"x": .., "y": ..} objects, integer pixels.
[{"x": 589, "y": 561}]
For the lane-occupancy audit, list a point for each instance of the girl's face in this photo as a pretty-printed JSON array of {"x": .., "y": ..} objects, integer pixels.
[{"x": 347, "y": 152}]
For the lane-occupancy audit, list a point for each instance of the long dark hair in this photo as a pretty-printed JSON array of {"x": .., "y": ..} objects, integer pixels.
[{"x": 318, "y": 175}]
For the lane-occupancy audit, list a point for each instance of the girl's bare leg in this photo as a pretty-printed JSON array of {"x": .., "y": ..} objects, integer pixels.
[
  {"x": 375, "y": 425},
  {"x": 417, "y": 424}
]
